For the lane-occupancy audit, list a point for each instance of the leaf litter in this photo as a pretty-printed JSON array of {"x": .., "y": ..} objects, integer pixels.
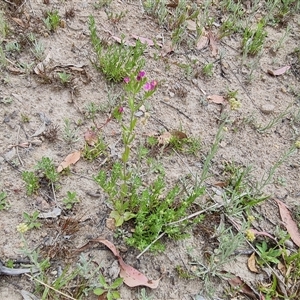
[
  {"x": 130, "y": 275},
  {"x": 289, "y": 223},
  {"x": 71, "y": 159}
]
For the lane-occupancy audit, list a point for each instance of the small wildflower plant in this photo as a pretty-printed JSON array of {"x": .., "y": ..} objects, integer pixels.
[
  {"x": 137, "y": 90},
  {"x": 152, "y": 208}
]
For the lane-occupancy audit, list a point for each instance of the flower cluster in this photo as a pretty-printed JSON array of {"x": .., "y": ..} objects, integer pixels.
[
  {"x": 250, "y": 235},
  {"x": 148, "y": 86},
  {"x": 22, "y": 228}
]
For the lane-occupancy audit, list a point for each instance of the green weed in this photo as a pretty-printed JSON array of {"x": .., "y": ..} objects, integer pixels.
[
  {"x": 3, "y": 27},
  {"x": 52, "y": 21},
  {"x": 64, "y": 77},
  {"x": 240, "y": 196},
  {"x": 207, "y": 70},
  {"x": 92, "y": 152},
  {"x": 267, "y": 254},
  {"x": 70, "y": 200},
  {"x": 109, "y": 289},
  {"x": 69, "y": 133},
  {"x": 157, "y": 9},
  {"x": 213, "y": 266},
  {"x": 38, "y": 49},
  {"x": 3, "y": 203},
  {"x": 25, "y": 118},
  {"x": 118, "y": 60},
  {"x": 32, "y": 220},
  {"x": 91, "y": 109},
  {"x": 254, "y": 39},
  {"x": 102, "y": 3},
  {"x": 115, "y": 17},
  {"x": 47, "y": 166},
  {"x": 274, "y": 121},
  {"x": 13, "y": 47},
  {"x": 32, "y": 182}
]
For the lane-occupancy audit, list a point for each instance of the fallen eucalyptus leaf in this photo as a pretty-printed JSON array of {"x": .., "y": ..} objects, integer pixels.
[
  {"x": 289, "y": 223},
  {"x": 71, "y": 159}
]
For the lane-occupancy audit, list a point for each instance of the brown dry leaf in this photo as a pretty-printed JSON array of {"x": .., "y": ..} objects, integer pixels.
[
  {"x": 289, "y": 223},
  {"x": 191, "y": 25},
  {"x": 111, "y": 224},
  {"x": 71, "y": 159},
  {"x": 202, "y": 42},
  {"x": 90, "y": 137},
  {"x": 130, "y": 275},
  {"x": 173, "y": 3},
  {"x": 216, "y": 99},
  {"x": 236, "y": 282},
  {"x": 164, "y": 138},
  {"x": 251, "y": 263},
  {"x": 125, "y": 42},
  {"x": 279, "y": 71},
  {"x": 282, "y": 268},
  {"x": 145, "y": 40},
  {"x": 167, "y": 48},
  {"x": 178, "y": 134},
  {"x": 213, "y": 44},
  {"x": 220, "y": 184},
  {"x": 42, "y": 66},
  {"x": 19, "y": 22}
]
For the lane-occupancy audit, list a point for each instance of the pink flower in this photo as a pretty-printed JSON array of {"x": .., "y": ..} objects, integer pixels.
[
  {"x": 149, "y": 86},
  {"x": 121, "y": 109},
  {"x": 126, "y": 79},
  {"x": 140, "y": 75}
]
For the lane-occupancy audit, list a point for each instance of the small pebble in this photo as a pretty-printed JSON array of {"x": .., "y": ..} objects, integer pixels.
[{"x": 267, "y": 108}]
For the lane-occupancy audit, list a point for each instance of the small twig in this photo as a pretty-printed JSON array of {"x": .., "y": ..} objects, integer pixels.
[
  {"x": 19, "y": 8},
  {"x": 53, "y": 191},
  {"x": 50, "y": 287},
  {"x": 178, "y": 110},
  {"x": 82, "y": 176},
  {"x": 217, "y": 205},
  {"x": 8, "y": 2},
  {"x": 160, "y": 236},
  {"x": 161, "y": 123},
  {"x": 17, "y": 148},
  {"x": 47, "y": 196}
]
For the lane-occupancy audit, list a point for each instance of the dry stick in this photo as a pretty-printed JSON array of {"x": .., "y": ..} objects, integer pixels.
[
  {"x": 53, "y": 191},
  {"x": 176, "y": 222},
  {"x": 161, "y": 123},
  {"x": 8, "y": 2},
  {"x": 17, "y": 148},
  {"x": 216, "y": 205},
  {"x": 160, "y": 236},
  {"x": 177, "y": 109},
  {"x": 50, "y": 287}
]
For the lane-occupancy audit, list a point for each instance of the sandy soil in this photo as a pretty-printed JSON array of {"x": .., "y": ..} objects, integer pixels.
[{"x": 181, "y": 102}]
